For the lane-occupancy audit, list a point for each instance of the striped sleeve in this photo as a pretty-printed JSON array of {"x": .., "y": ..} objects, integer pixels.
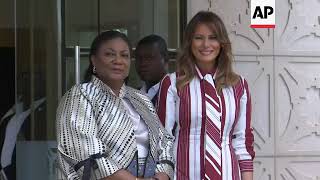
[
  {"x": 167, "y": 102},
  {"x": 243, "y": 143},
  {"x": 77, "y": 138}
]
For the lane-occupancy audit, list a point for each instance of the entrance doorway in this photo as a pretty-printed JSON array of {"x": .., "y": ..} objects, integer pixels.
[{"x": 45, "y": 36}]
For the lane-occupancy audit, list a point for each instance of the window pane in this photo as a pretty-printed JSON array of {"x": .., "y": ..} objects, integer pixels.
[
  {"x": 81, "y": 22},
  {"x": 142, "y": 17},
  {"x": 139, "y": 18}
]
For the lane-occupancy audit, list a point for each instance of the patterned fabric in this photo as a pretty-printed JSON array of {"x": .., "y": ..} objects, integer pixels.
[
  {"x": 92, "y": 120},
  {"x": 212, "y": 128},
  {"x": 184, "y": 111},
  {"x": 140, "y": 129}
]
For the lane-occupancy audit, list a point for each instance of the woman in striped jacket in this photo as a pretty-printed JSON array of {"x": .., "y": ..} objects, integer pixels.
[
  {"x": 207, "y": 106},
  {"x": 107, "y": 130}
]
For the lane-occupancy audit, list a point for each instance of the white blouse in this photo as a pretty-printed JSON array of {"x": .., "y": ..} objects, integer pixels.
[
  {"x": 152, "y": 91},
  {"x": 140, "y": 129}
]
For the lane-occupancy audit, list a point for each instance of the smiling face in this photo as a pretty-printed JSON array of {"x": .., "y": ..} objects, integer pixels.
[
  {"x": 112, "y": 61},
  {"x": 205, "y": 47}
]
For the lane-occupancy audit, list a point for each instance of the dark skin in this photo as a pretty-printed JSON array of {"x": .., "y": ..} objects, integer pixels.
[
  {"x": 150, "y": 64},
  {"x": 112, "y": 63}
]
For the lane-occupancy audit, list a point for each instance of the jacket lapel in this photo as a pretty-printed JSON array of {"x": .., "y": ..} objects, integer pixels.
[{"x": 144, "y": 108}]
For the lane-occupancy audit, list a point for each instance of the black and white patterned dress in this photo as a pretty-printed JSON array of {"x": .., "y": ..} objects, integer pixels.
[{"x": 93, "y": 127}]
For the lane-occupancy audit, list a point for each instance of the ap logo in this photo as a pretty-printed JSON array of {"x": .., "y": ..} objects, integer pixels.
[{"x": 262, "y": 14}]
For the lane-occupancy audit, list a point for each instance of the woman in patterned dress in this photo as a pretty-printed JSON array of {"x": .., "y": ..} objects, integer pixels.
[
  {"x": 107, "y": 130},
  {"x": 207, "y": 106}
]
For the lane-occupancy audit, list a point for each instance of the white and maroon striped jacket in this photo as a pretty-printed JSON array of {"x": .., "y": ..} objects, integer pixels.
[{"x": 181, "y": 112}]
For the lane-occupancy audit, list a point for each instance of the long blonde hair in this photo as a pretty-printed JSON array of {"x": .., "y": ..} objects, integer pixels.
[{"x": 186, "y": 61}]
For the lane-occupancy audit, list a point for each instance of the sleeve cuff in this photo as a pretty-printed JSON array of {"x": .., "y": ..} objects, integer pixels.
[
  {"x": 106, "y": 167},
  {"x": 165, "y": 168},
  {"x": 246, "y": 165}
]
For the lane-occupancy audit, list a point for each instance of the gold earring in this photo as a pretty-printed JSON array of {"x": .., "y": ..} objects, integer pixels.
[{"x": 94, "y": 70}]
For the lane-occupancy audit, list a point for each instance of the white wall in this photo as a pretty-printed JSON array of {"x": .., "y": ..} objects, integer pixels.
[{"x": 283, "y": 70}]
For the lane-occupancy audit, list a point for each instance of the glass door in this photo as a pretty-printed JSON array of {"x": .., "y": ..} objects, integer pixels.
[
  {"x": 83, "y": 20},
  {"x": 52, "y": 40},
  {"x": 37, "y": 54},
  {"x": 80, "y": 25}
]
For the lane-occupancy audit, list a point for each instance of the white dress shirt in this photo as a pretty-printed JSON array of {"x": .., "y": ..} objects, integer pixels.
[{"x": 152, "y": 91}]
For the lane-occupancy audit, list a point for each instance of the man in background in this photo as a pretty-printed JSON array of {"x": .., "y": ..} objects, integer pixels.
[{"x": 151, "y": 64}]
